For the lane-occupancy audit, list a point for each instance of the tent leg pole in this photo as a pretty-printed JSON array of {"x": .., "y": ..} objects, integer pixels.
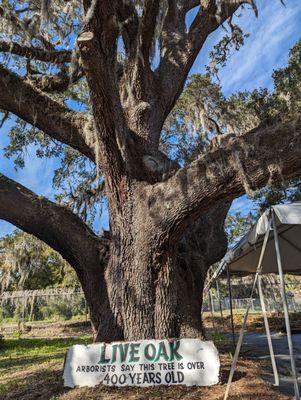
[
  {"x": 236, "y": 354},
  {"x": 285, "y": 309},
  {"x": 267, "y": 331},
  {"x": 220, "y": 302},
  {"x": 231, "y": 305},
  {"x": 241, "y": 334}
]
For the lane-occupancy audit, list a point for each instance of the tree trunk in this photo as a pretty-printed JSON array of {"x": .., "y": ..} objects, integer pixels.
[{"x": 154, "y": 283}]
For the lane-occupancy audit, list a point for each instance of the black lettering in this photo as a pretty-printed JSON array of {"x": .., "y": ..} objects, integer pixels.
[
  {"x": 106, "y": 379},
  {"x": 158, "y": 377},
  {"x": 114, "y": 379},
  {"x": 132, "y": 377},
  {"x": 122, "y": 379},
  {"x": 180, "y": 376},
  {"x": 151, "y": 376},
  {"x": 168, "y": 377},
  {"x": 139, "y": 378},
  {"x": 145, "y": 378}
]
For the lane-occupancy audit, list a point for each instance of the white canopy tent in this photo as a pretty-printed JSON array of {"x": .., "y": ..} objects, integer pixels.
[
  {"x": 243, "y": 258},
  {"x": 273, "y": 245}
]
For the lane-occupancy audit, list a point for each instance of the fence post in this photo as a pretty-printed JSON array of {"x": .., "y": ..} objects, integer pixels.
[
  {"x": 31, "y": 308},
  {"x": 23, "y": 312}
]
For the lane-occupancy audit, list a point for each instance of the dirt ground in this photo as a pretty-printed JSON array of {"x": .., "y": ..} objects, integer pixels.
[
  {"x": 254, "y": 324},
  {"x": 246, "y": 385},
  {"x": 46, "y": 383},
  {"x": 55, "y": 329}
]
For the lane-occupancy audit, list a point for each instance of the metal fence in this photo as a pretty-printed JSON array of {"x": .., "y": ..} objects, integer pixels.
[
  {"x": 55, "y": 305},
  {"x": 42, "y": 305},
  {"x": 217, "y": 296},
  {"x": 272, "y": 305}
]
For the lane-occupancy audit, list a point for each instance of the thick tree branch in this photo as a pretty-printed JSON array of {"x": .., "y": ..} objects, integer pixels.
[
  {"x": 33, "y": 53},
  {"x": 238, "y": 164},
  {"x": 98, "y": 50},
  {"x": 55, "y": 83},
  {"x": 180, "y": 49},
  {"x": 209, "y": 18},
  {"x": 172, "y": 13},
  {"x": 36, "y": 108},
  {"x": 128, "y": 19},
  {"x": 147, "y": 28},
  {"x": 53, "y": 224}
]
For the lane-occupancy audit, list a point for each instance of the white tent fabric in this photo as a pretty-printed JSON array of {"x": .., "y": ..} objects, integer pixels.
[
  {"x": 243, "y": 258},
  {"x": 272, "y": 245}
]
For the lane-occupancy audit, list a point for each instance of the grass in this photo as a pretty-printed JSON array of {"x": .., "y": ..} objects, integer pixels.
[
  {"x": 14, "y": 351},
  {"x": 54, "y": 318},
  {"x": 36, "y": 357}
]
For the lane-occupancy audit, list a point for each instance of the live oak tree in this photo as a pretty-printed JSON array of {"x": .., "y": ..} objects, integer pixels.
[{"x": 144, "y": 278}]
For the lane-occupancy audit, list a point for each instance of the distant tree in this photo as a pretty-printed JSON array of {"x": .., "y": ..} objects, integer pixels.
[
  {"x": 94, "y": 86},
  {"x": 27, "y": 263}
]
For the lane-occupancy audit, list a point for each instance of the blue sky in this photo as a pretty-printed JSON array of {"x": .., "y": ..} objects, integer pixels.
[{"x": 272, "y": 34}]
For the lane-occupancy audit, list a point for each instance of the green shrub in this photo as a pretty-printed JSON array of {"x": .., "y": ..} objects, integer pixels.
[{"x": 62, "y": 309}]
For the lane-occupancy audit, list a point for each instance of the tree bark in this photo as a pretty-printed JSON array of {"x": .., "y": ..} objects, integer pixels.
[{"x": 154, "y": 284}]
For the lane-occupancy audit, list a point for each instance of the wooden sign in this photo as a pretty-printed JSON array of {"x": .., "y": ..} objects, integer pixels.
[{"x": 143, "y": 363}]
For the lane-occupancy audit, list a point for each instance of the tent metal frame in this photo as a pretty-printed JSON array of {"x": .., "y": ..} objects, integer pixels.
[
  {"x": 268, "y": 332},
  {"x": 220, "y": 302},
  {"x": 260, "y": 242},
  {"x": 231, "y": 304},
  {"x": 257, "y": 282},
  {"x": 285, "y": 309}
]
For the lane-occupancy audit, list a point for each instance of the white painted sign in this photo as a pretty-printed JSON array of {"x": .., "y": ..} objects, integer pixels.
[{"x": 190, "y": 362}]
